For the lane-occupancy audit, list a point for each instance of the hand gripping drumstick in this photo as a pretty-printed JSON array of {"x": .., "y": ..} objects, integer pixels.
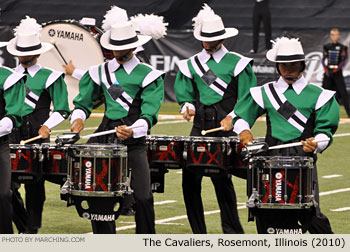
[
  {"x": 102, "y": 133},
  {"x": 295, "y": 144},
  {"x": 204, "y": 132},
  {"x": 30, "y": 140},
  {"x": 53, "y": 42}
]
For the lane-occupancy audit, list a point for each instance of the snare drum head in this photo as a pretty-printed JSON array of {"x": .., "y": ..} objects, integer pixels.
[{"x": 76, "y": 43}]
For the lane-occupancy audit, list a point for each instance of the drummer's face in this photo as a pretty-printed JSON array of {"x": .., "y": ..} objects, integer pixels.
[
  {"x": 28, "y": 61},
  {"x": 123, "y": 55}
]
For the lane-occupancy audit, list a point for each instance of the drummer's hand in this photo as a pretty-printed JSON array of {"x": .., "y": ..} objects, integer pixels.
[
  {"x": 226, "y": 123},
  {"x": 245, "y": 137},
  {"x": 44, "y": 131},
  {"x": 69, "y": 68},
  {"x": 309, "y": 145},
  {"x": 77, "y": 126},
  {"x": 187, "y": 116},
  {"x": 124, "y": 133}
]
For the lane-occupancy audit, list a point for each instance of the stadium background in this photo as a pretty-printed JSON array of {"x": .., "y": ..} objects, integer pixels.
[{"x": 308, "y": 19}]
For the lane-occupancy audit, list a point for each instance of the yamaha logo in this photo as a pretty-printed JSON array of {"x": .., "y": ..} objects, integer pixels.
[
  {"x": 88, "y": 164},
  {"x": 270, "y": 230},
  {"x": 52, "y": 32}
]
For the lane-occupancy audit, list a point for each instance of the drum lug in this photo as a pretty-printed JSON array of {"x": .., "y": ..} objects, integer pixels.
[
  {"x": 34, "y": 153},
  {"x": 229, "y": 151},
  {"x": 172, "y": 146},
  {"x": 192, "y": 147},
  {"x": 41, "y": 156},
  {"x": 209, "y": 147},
  {"x": 223, "y": 147},
  {"x": 19, "y": 153},
  {"x": 252, "y": 199},
  {"x": 184, "y": 154}
]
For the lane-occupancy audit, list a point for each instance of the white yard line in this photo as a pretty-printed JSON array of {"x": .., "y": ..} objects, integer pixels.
[
  {"x": 335, "y": 191},
  {"x": 332, "y": 176},
  {"x": 341, "y": 209},
  {"x": 164, "y": 202}
]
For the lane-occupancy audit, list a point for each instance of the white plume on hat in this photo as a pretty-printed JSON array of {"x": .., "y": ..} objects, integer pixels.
[
  {"x": 151, "y": 25},
  {"x": 205, "y": 13},
  {"x": 28, "y": 25},
  {"x": 113, "y": 16},
  {"x": 279, "y": 41}
]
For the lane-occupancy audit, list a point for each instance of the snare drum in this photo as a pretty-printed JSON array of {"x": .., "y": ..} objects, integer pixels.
[
  {"x": 165, "y": 151},
  {"x": 97, "y": 170},
  {"x": 281, "y": 182},
  {"x": 55, "y": 163},
  {"x": 76, "y": 42},
  {"x": 208, "y": 156},
  {"x": 26, "y": 162}
]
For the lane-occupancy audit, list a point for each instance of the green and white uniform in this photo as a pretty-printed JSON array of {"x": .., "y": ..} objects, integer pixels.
[
  {"x": 134, "y": 91},
  {"x": 44, "y": 86},
  {"x": 286, "y": 123},
  {"x": 11, "y": 100},
  {"x": 232, "y": 78}
]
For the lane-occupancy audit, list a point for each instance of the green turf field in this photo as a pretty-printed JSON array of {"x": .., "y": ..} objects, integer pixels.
[{"x": 171, "y": 217}]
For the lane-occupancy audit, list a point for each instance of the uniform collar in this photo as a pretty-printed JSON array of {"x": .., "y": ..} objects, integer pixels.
[
  {"x": 298, "y": 86},
  {"x": 31, "y": 70},
  {"x": 128, "y": 66},
  {"x": 217, "y": 56}
]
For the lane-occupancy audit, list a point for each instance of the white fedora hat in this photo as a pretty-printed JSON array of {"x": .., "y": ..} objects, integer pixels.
[
  {"x": 286, "y": 50},
  {"x": 3, "y": 44},
  {"x": 25, "y": 44},
  {"x": 122, "y": 36},
  {"x": 213, "y": 29}
]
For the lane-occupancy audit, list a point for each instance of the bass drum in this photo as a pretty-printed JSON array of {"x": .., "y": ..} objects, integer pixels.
[{"x": 76, "y": 42}]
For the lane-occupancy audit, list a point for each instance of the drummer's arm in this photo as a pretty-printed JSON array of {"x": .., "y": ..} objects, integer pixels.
[
  {"x": 83, "y": 102},
  {"x": 185, "y": 95},
  {"x": 73, "y": 71},
  {"x": 326, "y": 123}
]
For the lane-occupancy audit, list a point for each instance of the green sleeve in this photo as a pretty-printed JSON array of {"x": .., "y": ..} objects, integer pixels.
[
  {"x": 327, "y": 119},
  {"x": 247, "y": 109},
  {"x": 59, "y": 96},
  {"x": 246, "y": 80},
  {"x": 89, "y": 92},
  {"x": 184, "y": 89},
  {"x": 152, "y": 97},
  {"x": 14, "y": 99}
]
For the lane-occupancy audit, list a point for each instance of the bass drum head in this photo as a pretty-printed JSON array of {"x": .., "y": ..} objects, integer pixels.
[{"x": 75, "y": 42}]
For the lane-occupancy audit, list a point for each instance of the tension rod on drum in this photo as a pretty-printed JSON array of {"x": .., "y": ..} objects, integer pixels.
[
  {"x": 102, "y": 133},
  {"x": 53, "y": 42}
]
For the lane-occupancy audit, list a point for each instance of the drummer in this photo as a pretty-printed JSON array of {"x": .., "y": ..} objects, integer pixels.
[
  {"x": 133, "y": 92},
  {"x": 295, "y": 111},
  {"x": 211, "y": 82},
  {"x": 12, "y": 98},
  {"x": 43, "y": 86}
]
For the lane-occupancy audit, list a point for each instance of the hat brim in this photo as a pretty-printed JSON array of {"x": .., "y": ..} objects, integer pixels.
[
  {"x": 271, "y": 56},
  {"x": 2, "y": 44},
  {"x": 11, "y": 48},
  {"x": 105, "y": 42},
  {"x": 229, "y": 32}
]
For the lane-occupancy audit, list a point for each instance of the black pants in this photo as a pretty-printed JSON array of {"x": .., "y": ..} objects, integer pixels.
[
  {"x": 335, "y": 82},
  {"x": 226, "y": 196},
  {"x": 27, "y": 217},
  {"x": 261, "y": 12},
  {"x": 5, "y": 188}
]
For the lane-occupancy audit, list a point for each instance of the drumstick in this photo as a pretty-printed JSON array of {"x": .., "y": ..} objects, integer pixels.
[
  {"x": 30, "y": 140},
  {"x": 204, "y": 132},
  {"x": 102, "y": 133},
  {"x": 53, "y": 42},
  {"x": 281, "y": 146}
]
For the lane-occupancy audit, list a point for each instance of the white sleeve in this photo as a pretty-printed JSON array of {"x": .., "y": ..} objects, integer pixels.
[
  {"x": 232, "y": 114},
  {"x": 141, "y": 129},
  {"x": 55, "y": 119},
  {"x": 190, "y": 106},
  {"x": 6, "y": 126},
  {"x": 321, "y": 146},
  {"x": 77, "y": 113},
  {"x": 78, "y": 73},
  {"x": 240, "y": 125}
]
